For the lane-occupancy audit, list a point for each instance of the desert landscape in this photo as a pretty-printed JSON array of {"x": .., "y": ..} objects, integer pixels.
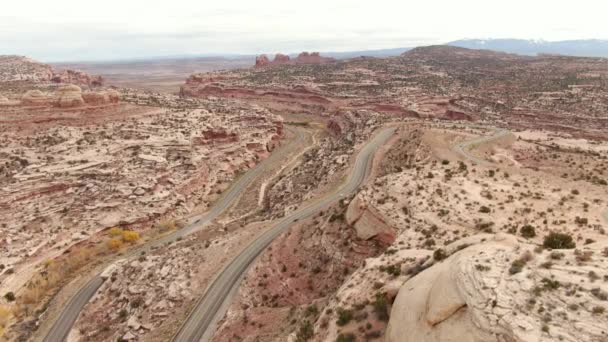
[{"x": 442, "y": 194}]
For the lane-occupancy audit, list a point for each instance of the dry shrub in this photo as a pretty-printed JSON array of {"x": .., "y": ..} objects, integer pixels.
[
  {"x": 5, "y": 316},
  {"x": 115, "y": 231},
  {"x": 115, "y": 244},
  {"x": 167, "y": 225},
  {"x": 130, "y": 236}
]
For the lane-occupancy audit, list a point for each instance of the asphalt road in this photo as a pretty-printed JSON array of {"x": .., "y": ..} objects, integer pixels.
[
  {"x": 463, "y": 147},
  {"x": 62, "y": 326},
  {"x": 214, "y": 303}
]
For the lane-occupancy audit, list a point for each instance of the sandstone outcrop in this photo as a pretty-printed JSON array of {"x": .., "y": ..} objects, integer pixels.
[
  {"x": 281, "y": 58},
  {"x": 19, "y": 68},
  {"x": 23, "y": 69},
  {"x": 101, "y": 98},
  {"x": 69, "y": 96},
  {"x": 77, "y": 77},
  {"x": 368, "y": 223},
  {"x": 262, "y": 61},
  {"x": 35, "y": 98},
  {"x": 303, "y": 58},
  {"x": 475, "y": 295}
]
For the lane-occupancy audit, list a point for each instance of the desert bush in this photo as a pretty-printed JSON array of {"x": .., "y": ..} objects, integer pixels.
[
  {"x": 559, "y": 241},
  {"x": 381, "y": 307},
  {"x": 9, "y": 296},
  {"x": 346, "y": 338},
  {"x": 130, "y": 236},
  {"x": 344, "y": 316},
  {"x": 167, "y": 225},
  {"x": 115, "y": 231},
  {"x": 305, "y": 332},
  {"x": 527, "y": 231},
  {"x": 114, "y": 244},
  {"x": 439, "y": 254},
  {"x": 5, "y": 315}
]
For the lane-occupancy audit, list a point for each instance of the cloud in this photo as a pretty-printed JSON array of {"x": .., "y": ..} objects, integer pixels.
[{"x": 118, "y": 29}]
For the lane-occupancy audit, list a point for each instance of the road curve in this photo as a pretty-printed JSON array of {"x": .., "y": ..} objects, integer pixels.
[
  {"x": 217, "y": 296},
  {"x": 62, "y": 326},
  {"x": 463, "y": 147}
]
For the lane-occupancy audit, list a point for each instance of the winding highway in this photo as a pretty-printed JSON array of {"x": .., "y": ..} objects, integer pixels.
[
  {"x": 464, "y": 147},
  {"x": 62, "y": 326},
  {"x": 214, "y": 303}
]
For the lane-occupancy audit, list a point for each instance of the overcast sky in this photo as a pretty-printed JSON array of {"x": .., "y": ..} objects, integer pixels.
[{"x": 73, "y": 30}]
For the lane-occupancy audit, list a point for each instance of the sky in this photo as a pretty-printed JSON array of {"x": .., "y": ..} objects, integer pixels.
[{"x": 79, "y": 30}]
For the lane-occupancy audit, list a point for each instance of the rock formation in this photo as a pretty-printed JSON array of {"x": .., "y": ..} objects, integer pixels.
[
  {"x": 368, "y": 223},
  {"x": 35, "y": 98},
  {"x": 262, "y": 61},
  {"x": 476, "y": 295},
  {"x": 281, "y": 58},
  {"x": 77, "y": 77},
  {"x": 303, "y": 58},
  {"x": 23, "y": 69},
  {"x": 101, "y": 98},
  {"x": 69, "y": 96}
]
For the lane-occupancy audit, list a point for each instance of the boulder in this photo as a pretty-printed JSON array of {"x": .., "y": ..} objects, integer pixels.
[
  {"x": 475, "y": 295},
  {"x": 368, "y": 223}
]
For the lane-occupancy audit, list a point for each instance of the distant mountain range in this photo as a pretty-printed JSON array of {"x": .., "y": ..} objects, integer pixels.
[{"x": 584, "y": 48}]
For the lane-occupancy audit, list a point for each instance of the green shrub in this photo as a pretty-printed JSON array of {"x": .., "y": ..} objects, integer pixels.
[
  {"x": 559, "y": 241},
  {"x": 527, "y": 231},
  {"x": 517, "y": 266},
  {"x": 344, "y": 317},
  {"x": 439, "y": 254},
  {"x": 381, "y": 307},
  {"x": 9, "y": 296},
  {"x": 305, "y": 332}
]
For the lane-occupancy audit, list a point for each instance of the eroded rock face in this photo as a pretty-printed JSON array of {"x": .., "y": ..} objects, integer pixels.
[
  {"x": 368, "y": 223},
  {"x": 23, "y": 69},
  {"x": 77, "y": 77},
  {"x": 475, "y": 296},
  {"x": 281, "y": 58},
  {"x": 69, "y": 96},
  {"x": 262, "y": 61},
  {"x": 35, "y": 98}
]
